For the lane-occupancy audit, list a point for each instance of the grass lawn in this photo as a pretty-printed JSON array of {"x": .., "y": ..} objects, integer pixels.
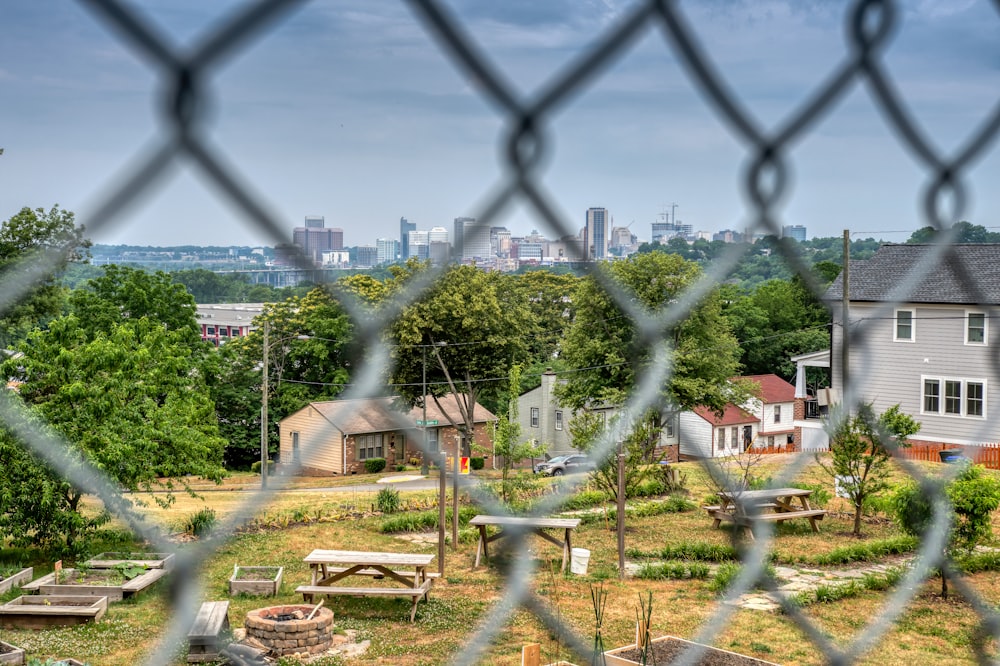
[{"x": 931, "y": 630}]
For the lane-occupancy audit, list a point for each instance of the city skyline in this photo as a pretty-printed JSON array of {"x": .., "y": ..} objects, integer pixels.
[{"x": 350, "y": 111}]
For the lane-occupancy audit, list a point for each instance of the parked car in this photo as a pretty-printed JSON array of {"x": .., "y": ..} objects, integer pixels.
[{"x": 574, "y": 463}]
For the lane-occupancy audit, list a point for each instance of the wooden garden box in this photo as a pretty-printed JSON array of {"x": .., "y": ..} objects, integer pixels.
[
  {"x": 110, "y": 560},
  {"x": 48, "y": 585},
  {"x": 256, "y": 581},
  {"x": 41, "y": 611},
  {"x": 627, "y": 656},
  {"x": 10, "y": 654},
  {"x": 20, "y": 578}
]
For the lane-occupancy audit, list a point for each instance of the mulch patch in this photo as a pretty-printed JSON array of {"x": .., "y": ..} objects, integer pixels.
[{"x": 664, "y": 651}]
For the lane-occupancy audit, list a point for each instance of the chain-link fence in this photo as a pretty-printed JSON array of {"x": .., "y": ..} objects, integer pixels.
[{"x": 183, "y": 76}]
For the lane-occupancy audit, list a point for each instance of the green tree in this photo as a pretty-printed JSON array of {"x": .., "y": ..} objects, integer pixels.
[
  {"x": 124, "y": 293},
  {"x": 130, "y": 402},
  {"x": 972, "y": 497},
  {"x": 860, "y": 452},
  {"x": 25, "y": 239},
  {"x": 466, "y": 335},
  {"x": 586, "y": 430},
  {"x": 507, "y": 438},
  {"x": 309, "y": 359},
  {"x": 610, "y": 355}
]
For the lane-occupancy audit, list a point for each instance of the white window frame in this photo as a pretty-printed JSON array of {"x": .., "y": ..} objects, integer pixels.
[
  {"x": 913, "y": 325},
  {"x": 734, "y": 433},
  {"x": 963, "y": 397},
  {"x": 295, "y": 446},
  {"x": 534, "y": 415},
  {"x": 559, "y": 419},
  {"x": 986, "y": 328},
  {"x": 722, "y": 438},
  {"x": 777, "y": 413}
]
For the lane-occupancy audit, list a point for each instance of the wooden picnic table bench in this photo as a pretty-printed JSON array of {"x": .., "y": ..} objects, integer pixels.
[
  {"x": 773, "y": 505},
  {"x": 514, "y": 524},
  {"x": 408, "y": 569},
  {"x": 203, "y": 638}
]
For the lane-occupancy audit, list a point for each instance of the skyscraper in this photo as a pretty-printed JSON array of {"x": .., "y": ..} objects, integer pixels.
[
  {"x": 796, "y": 231},
  {"x": 472, "y": 241},
  {"x": 315, "y": 239},
  {"x": 595, "y": 242},
  {"x": 386, "y": 250},
  {"x": 405, "y": 227}
]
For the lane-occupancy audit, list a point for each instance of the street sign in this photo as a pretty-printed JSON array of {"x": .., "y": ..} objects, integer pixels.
[
  {"x": 463, "y": 465},
  {"x": 428, "y": 422}
]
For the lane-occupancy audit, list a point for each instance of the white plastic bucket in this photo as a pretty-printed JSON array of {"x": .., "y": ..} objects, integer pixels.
[{"x": 578, "y": 560}]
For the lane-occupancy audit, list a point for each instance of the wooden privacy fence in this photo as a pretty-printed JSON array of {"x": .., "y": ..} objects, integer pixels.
[{"x": 987, "y": 454}]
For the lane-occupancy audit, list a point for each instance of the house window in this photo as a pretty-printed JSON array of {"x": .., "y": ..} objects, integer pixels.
[
  {"x": 975, "y": 329},
  {"x": 734, "y": 437},
  {"x": 952, "y": 397},
  {"x": 369, "y": 446},
  {"x": 534, "y": 417},
  {"x": 295, "y": 447},
  {"x": 669, "y": 426},
  {"x": 722, "y": 438},
  {"x": 770, "y": 441},
  {"x": 210, "y": 330},
  {"x": 559, "y": 421},
  {"x": 432, "y": 439},
  {"x": 904, "y": 326},
  {"x": 961, "y": 397},
  {"x": 974, "y": 399},
  {"x": 932, "y": 395},
  {"x": 777, "y": 413}
]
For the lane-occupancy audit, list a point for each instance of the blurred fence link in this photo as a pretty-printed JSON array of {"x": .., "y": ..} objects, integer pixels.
[{"x": 183, "y": 75}]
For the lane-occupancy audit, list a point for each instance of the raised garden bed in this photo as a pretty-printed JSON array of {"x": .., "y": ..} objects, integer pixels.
[
  {"x": 10, "y": 654},
  {"x": 667, "y": 648},
  {"x": 115, "y": 584},
  {"x": 256, "y": 581},
  {"x": 40, "y": 611},
  {"x": 21, "y": 577},
  {"x": 110, "y": 560}
]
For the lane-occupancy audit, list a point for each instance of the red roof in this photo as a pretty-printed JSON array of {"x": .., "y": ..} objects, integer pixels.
[
  {"x": 773, "y": 388},
  {"x": 732, "y": 415}
]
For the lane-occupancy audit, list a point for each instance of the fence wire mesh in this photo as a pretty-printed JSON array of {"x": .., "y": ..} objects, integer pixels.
[{"x": 183, "y": 75}]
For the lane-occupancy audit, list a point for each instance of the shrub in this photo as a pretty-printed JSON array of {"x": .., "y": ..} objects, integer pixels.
[
  {"x": 400, "y": 468},
  {"x": 424, "y": 520},
  {"x": 387, "y": 500},
  {"x": 820, "y": 495},
  {"x": 584, "y": 500},
  {"x": 200, "y": 522},
  {"x": 673, "y": 569},
  {"x": 414, "y": 462},
  {"x": 374, "y": 465},
  {"x": 255, "y": 468},
  {"x": 477, "y": 462},
  {"x": 867, "y": 552},
  {"x": 728, "y": 572}
]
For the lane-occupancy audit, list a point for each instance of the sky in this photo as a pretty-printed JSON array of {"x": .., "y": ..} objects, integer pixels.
[{"x": 351, "y": 110}]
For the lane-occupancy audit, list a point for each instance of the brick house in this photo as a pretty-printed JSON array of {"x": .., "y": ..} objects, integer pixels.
[{"x": 337, "y": 436}]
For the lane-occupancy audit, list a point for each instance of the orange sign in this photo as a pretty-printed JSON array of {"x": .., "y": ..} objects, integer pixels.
[{"x": 463, "y": 463}]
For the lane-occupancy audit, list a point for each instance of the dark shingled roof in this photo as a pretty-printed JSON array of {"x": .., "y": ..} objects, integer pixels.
[{"x": 943, "y": 281}]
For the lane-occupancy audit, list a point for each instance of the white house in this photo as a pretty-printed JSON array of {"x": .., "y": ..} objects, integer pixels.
[
  {"x": 704, "y": 434},
  {"x": 774, "y": 409}
]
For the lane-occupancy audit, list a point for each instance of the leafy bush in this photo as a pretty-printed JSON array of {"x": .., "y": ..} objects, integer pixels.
[
  {"x": 585, "y": 499},
  {"x": 673, "y": 569},
  {"x": 702, "y": 552},
  {"x": 424, "y": 521},
  {"x": 477, "y": 462},
  {"x": 820, "y": 495},
  {"x": 728, "y": 572},
  {"x": 867, "y": 552},
  {"x": 387, "y": 500},
  {"x": 400, "y": 468},
  {"x": 255, "y": 467},
  {"x": 374, "y": 465},
  {"x": 414, "y": 462},
  {"x": 200, "y": 522}
]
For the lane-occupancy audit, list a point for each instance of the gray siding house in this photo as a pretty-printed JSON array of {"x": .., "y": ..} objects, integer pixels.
[{"x": 921, "y": 336}]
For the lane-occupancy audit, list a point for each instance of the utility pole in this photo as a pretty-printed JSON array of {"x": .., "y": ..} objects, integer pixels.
[
  {"x": 845, "y": 336},
  {"x": 620, "y": 522},
  {"x": 263, "y": 412}
]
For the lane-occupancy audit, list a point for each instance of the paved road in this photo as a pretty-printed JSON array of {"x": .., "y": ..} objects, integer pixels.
[{"x": 419, "y": 483}]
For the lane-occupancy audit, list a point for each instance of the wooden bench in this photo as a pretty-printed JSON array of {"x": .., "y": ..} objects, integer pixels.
[
  {"x": 415, "y": 593},
  {"x": 377, "y": 573},
  {"x": 203, "y": 638},
  {"x": 811, "y": 514}
]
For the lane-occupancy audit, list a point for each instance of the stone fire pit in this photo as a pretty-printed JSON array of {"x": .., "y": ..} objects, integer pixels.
[{"x": 285, "y": 630}]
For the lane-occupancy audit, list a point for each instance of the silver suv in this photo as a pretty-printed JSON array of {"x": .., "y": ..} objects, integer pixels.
[{"x": 574, "y": 463}]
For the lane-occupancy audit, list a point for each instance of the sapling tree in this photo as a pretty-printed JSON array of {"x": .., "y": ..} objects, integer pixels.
[
  {"x": 972, "y": 498},
  {"x": 507, "y": 436},
  {"x": 586, "y": 430},
  {"x": 861, "y": 450}
]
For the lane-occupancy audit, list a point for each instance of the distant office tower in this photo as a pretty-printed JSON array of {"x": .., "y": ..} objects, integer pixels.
[
  {"x": 795, "y": 231},
  {"x": 315, "y": 239},
  {"x": 472, "y": 241},
  {"x": 367, "y": 256},
  {"x": 387, "y": 250},
  {"x": 622, "y": 238},
  {"x": 500, "y": 241},
  {"x": 439, "y": 252},
  {"x": 727, "y": 236},
  {"x": 437, "y": 235},
  {"x": 596, "y": 233},
  {"x": 405, "y": 227}
]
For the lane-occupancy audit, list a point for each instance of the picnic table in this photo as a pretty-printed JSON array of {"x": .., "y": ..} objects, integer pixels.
[
  {"x": 515, "y": 524},
  {"x": 746, "y": 508},
  {"x": 331, "y": 566}
]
